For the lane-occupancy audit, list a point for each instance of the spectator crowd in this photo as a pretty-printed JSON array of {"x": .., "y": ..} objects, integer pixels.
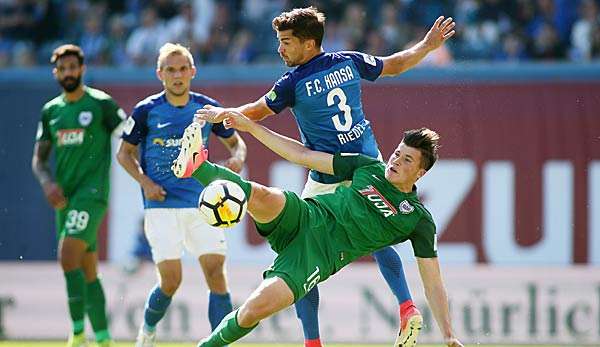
[{"x": 129, "y": 32}]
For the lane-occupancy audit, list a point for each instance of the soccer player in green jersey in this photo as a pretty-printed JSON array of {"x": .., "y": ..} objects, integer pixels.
[
  {"x": 78, "y": 125},
  {"x": 316, "y": 237}
]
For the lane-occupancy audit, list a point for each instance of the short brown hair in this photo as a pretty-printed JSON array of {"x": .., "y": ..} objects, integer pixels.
[
  {"x": 426, "y": 141},
  {"x": 306, "y": 23},
  {"x": 68, "y": 49}
]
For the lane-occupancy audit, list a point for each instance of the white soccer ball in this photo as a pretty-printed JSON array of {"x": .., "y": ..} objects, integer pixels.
[{"x": 222, "y": 204}]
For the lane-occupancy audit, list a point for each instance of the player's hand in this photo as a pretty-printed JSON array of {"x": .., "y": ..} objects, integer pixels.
[
  {"x": 153, "y": 191},
  {"x": 442, "y": 30},
  {"x": 453, "y": 342},
  {"x": 234, "y": 164},
  {"x": 54, "y": 195},
  {"x": 237, "y": 120},
  {"x": 211, "y": 114}
]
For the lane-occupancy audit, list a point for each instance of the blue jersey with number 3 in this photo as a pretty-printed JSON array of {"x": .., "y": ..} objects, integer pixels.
[{"x": 324, "y": 95}]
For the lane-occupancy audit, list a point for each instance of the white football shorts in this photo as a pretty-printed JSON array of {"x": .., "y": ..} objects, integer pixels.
[
  {"x": 169, "y": 230},
  {"x": 313, "y": 188}
]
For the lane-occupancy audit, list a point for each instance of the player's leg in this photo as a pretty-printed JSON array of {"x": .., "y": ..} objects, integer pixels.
[
  {"x": 264, "y": 203},
  {"x": 411, "y": 320},
  {"x": 95, "y": 299},
  {"x": 307, "y": 308},
  {"x": 271, "y": 296},
  {"x": 90, "y": 214},
  {"x": 71, "y": 251},
  {"x": 166, "y": 239},
  {"x": 207, "y": 243}
]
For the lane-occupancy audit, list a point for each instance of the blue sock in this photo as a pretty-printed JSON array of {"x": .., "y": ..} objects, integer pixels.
[
  {"x": 219, "y": 305},
  {"x": 390, "y": 267},
  {"x": 307, "y": 310},
  {"x": 156, "y": 307}
]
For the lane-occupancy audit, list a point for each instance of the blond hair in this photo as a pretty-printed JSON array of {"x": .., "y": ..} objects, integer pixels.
[{"x": 170, "y": 49}]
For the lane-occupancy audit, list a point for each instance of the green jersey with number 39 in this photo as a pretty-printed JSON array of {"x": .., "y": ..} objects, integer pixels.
[
  {"x": 371, "y": 213},
  {"x": 80, "y": 133}
]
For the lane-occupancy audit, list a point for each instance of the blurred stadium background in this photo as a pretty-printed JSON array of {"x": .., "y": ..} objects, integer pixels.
[{"x": 516, "y": 197}]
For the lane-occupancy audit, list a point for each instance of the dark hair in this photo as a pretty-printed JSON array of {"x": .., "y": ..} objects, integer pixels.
[
  {"x": 426, "y": 141},
  {"x": 306, "y": 23},
  {"x": 65, "y": 50}
]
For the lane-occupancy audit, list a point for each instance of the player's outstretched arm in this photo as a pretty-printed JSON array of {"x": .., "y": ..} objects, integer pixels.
[
  {"x": 399, "y": 62},
  {"x": 257, "y": 110},
  {"x": 435, "y": 292},
  {"x": 284, "y": 146}
]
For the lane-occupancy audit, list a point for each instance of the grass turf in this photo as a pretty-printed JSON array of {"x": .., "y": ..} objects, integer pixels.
[{"x": 191, "y": 344}]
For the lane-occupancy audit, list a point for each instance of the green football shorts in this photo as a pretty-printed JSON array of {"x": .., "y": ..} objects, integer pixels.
[
  {"x": 81, "y": 219},
  {"x": 303, "y": 254}
]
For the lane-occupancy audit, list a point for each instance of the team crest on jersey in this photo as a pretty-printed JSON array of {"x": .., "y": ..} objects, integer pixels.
[
  {"x": 369, "y": 59},
  {"x": 85, "y": 118},
  {"x": 271, "y": 95},
  {"x": 406, "y": 207}
]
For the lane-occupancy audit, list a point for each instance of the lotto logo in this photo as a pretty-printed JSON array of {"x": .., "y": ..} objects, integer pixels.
[{"x": 70, "y": 137}]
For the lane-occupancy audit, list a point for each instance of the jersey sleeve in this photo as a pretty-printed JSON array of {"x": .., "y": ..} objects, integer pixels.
[
  {"x": 220, "y": 130},
  {"x": 424, "y": 239},
  {"x": 113, "y": 114},
  {"x": 43, "y": 130},
  {"x": 282, "y": 94},
  {"x": 369, "y": 67},
  {"x": 344, "y": 164},
  {"x": 136, "y": 128}
]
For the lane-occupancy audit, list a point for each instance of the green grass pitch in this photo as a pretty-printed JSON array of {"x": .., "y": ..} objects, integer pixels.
[{"x": 192, "y": 344}]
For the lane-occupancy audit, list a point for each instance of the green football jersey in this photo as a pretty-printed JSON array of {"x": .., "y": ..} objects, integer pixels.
[
  {"x": 80, "y": 133},
  {"x": 372, "y": 213}
]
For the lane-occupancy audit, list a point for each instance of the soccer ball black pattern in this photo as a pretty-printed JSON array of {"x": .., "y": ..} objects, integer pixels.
[{"x": 222, "y": 204}]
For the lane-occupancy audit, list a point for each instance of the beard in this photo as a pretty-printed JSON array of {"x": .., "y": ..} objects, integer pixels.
[{"x": 69, "y": 84}]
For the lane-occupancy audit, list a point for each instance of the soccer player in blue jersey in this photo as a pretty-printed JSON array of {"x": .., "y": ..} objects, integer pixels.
[
  {"x": 151, "y": 141},
  {"x": 324, "y": 95}
]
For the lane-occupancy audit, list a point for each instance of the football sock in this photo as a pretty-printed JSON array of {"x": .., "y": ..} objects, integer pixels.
[
  {"x": 96, "y": 310},
  {"x": 390, "y": 267},
  {"x": 219, "y": 305},
  {"x": 76, "y": 296},
  {"x": 227, "y": 332},
  {"x": 156, "y": 307},
  {"x": 307, "y": 310},
  {"x": 208, "y": 172}
]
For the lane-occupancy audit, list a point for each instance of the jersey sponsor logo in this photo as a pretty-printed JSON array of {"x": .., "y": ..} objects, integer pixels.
[
  {"x": 70, "y": 137},
  {"x": 85, "y": 118},
  {"x": 406, "y": 207},
  {"x": 128, "y": 127},
  {"x": 379, "y": 201},
  {"x": 329, "y": 81},
  {"x": 271, "y": 95},
  {"x": 163, "y": 125},
  {"x": 166, "y": 142}
]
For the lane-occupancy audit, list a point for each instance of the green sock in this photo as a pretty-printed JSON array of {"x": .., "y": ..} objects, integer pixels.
[
  {"x": 208, "y": 172},
  {"x": 96, "y": 310},
  {"x": 226, "y": 332},
  {"x": 76, "y": 294}
]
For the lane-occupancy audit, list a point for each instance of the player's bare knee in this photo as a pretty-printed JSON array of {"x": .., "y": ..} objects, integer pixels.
[{"x": 169, "y": 283}]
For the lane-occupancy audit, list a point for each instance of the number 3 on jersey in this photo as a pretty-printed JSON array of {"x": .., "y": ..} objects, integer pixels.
[{"x": 347, "y": 124}]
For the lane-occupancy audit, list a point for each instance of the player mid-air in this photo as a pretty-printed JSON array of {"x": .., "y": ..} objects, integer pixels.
[
  {"x": 316, "y": 237},
  {"x": 324, "y": 94},
  {"x": 78, "y": 125},
  {"x": 151, "y": 140}
]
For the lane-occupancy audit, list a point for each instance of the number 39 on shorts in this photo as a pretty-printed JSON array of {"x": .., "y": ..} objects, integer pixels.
[{"x": 76, "y": 221}]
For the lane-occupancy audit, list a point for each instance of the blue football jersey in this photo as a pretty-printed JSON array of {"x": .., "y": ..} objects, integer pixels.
[
  {"x": 324, "y": 95},
  {"x": 156, "y": 127}
]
